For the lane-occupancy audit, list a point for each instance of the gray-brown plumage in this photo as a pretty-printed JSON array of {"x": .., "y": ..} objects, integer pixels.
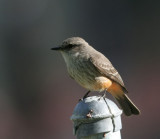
[
  {"x": 93, "y": 71},
  {"x": 105, "y": 67}
]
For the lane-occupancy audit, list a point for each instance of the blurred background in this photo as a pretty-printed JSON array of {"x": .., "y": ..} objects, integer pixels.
[{"x": 37, "y": 96}]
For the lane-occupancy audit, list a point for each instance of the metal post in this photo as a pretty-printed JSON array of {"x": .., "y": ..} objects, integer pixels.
[{"x": 97, "y": 118}]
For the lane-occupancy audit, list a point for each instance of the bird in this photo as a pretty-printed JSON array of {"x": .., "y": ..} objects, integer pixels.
[{"x": 94, "y": 72}]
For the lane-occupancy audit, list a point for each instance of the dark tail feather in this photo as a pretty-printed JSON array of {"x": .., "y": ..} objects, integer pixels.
[{"x": 127, "y": 105}]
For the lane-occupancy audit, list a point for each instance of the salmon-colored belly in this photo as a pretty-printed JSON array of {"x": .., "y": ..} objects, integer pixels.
[
  {"x": 99, "y": 84},
  {"x": 103, "y": 83}
]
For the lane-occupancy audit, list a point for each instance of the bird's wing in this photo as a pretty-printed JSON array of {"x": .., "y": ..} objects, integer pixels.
[{"x": 105, "y": 67}]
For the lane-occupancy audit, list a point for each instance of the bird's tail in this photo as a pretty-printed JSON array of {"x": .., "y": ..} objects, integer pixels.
[{"x": 127, "y": 105}]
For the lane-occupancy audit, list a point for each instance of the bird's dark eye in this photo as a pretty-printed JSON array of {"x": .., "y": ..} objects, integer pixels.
[{"x": 70, "y": 46}]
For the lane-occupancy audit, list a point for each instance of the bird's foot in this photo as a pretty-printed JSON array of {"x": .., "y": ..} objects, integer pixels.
[
  {"x": 102, "y": 96},
  {"x": 85, "y": 96}
]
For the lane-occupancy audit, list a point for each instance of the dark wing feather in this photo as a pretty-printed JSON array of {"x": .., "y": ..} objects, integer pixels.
[{"x": 105, "y": 67}]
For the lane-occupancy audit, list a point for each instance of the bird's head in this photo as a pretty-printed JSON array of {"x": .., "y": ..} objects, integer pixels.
[{"x": 72, "y": 45}]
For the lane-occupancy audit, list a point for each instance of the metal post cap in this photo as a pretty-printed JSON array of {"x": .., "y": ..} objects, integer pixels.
[{"x": 96, "y": 115}]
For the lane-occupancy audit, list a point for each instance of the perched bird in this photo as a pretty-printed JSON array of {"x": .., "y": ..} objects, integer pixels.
[{"x": 93, "y": 71}]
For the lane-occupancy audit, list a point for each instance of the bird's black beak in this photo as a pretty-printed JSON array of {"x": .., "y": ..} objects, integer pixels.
[{"x": 57, "y": 48}]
